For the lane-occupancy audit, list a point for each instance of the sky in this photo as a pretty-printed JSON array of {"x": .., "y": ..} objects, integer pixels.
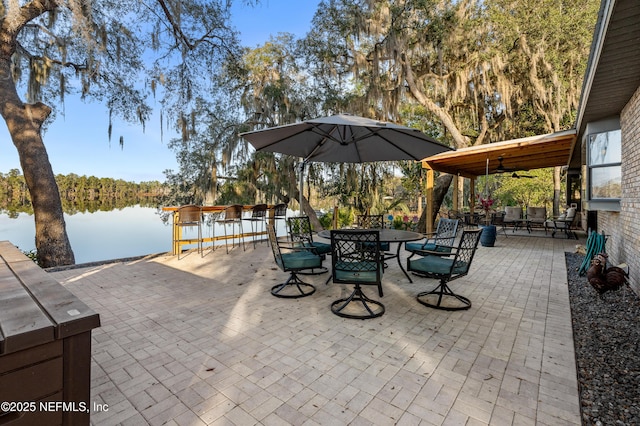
[{"x": 78, "y": 142}]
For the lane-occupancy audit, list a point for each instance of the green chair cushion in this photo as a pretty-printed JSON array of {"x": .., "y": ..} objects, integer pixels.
[
  {"x": 429, "y": 246},
  {"x": 436, "y": 265},
  {"x": 384, "y": 246},
  {"x": 419, "y": 246},
  {"x": 322, "y": 248},
  {"x": 357, "y": 272},
  {"x": 300, "y": 260}
]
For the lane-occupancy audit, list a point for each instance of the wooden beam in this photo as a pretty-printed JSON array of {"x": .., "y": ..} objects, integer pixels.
[
  {"x": 472, "y": 194},
  {"x": 456, "y": 193},
  {"x": 429, "y": 206}
]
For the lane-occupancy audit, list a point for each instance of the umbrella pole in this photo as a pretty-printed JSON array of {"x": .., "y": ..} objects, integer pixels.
[
  {"x": 486, "y": 180},
  {"x": 300, "y": 185}
]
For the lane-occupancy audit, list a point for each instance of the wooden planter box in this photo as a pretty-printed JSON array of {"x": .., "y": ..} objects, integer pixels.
[{"x": 45, "y": 346}]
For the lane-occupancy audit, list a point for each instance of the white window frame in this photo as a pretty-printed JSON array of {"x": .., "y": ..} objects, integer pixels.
[{"x": 604, "y": 161}]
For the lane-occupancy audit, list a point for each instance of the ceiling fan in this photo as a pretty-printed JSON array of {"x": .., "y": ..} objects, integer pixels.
[
  {"x": 501, "y": 168},
  {"x": 517, "y": 176}
]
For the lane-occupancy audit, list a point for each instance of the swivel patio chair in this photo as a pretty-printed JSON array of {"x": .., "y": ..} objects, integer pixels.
[
  {"x": 441, "y": 240},
  {"x": 232, "y": 215},
  {"x": 356, "y": 259},
  {"x": 279, "y": 212},
  {"x": 257, "y": 221},
  {"x": 189, "y": 216},
  {"x": 446, "y": 268},
  {"x": 454, "y": 214},
  {"x": 370, "y": 221},
  {"x": 301, "y": 235},
  {"x": 292, "y": 260},
  {"x": 375, "y": 222}
]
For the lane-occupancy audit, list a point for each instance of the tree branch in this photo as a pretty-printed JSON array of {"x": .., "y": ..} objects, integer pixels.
[
  {"x": 182, "y": 38},
  {"x": 459, "y": 139},
  {"x": 76, "y": 67}
]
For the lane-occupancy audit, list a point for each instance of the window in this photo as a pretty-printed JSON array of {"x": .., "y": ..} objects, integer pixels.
[{"x": 604, "y": 161}]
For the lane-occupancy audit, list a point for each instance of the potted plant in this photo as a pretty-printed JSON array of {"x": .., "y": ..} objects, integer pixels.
[{"x": 488, "y": 236}]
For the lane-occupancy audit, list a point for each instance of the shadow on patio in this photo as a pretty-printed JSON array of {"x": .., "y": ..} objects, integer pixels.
[{"x": 201, "y": 341}]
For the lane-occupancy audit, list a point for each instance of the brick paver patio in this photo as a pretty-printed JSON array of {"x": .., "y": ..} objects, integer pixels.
[{"x": 201, "y": 341}]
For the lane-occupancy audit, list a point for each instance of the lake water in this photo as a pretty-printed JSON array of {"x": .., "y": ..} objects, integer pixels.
[{"x": 128, "y": 232}]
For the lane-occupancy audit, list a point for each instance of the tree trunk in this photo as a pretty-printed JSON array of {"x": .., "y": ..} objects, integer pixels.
[
  {"x": 440, "y": 188},
  {"x": 24, "y": 122},
  {"x": 307, "y": 210},
  {"x": 313, "y": 217}
]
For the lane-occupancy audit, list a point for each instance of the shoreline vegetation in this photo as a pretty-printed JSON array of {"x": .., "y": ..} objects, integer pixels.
[{"x": 81, "y": 193}]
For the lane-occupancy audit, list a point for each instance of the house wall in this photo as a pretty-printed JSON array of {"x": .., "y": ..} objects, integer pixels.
[{"x": 624, "y": 227}]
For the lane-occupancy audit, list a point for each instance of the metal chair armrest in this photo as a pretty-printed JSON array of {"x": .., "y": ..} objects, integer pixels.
[
  {"x": 448, "y": 251},
  {"x": 295, "y": 246}
]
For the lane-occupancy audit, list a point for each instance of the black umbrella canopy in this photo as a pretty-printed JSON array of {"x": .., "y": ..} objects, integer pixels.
[{"x": 346, "y": 138}]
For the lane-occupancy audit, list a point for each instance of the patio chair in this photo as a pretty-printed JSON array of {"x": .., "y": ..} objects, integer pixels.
[
  {"x": 566, "y": 222},
  {"x": 257, "y": 221},
  {"x": 293, "y": 260},
  {"x": 189, "y": 217},
  {"x": 370, "y": 221},
  {"x": 497, "y": 219},
  {"x": 232, "y": 215},
  {"x": 356, "y": 260},
  {"x": 279, "y": 213},
  {"x": 455, "y": 214},
  {"x": 446, "y": 267},
  {"x": 442, "y": 239},
  {"x": 536, "y": 217},
  {"x": 300, "y": 235},
  {"x": 376, "y": 221},
  {"x": 512, "y": 217}
]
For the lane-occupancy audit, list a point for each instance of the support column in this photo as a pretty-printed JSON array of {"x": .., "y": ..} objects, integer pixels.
[
  {"x": 472, "y": 194},
  {"x": 456, "y": 194},
  {"x": 429, "y": 193}
]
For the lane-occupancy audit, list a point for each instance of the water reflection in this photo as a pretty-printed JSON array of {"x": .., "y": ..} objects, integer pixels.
[{"x": 103, "y": 235}]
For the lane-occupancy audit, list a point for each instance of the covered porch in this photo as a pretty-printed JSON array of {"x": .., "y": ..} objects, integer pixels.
[{"x": 535, "y": 152}]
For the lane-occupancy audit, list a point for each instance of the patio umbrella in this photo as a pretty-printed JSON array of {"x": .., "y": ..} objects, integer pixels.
[{"x": 344, "y": 138}]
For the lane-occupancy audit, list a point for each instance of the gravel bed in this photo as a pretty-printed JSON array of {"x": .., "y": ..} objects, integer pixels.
[{"x": 606, "y": 333}]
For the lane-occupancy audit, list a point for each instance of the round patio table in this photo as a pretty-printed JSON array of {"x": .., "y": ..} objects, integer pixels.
[{"x": 388, "y": 236}]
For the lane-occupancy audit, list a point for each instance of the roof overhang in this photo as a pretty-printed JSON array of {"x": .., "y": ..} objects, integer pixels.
[
  {"x": 613, "y": 70},
  {"x": 535, "y": 152}
]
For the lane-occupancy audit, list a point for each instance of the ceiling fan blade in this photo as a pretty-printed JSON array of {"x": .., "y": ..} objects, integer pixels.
[{"x": 517, "y": 176}]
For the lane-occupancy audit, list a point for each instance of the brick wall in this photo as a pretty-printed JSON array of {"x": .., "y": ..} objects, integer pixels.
[{"x": 624, "y": 227}]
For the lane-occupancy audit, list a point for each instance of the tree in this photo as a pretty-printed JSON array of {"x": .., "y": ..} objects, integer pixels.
[
  {"x": 263, "y": 89},
  {"x": 399, "y": 53},
  {"x": 543, "y": 48},
  {"x": 276, "y": 91},
  {"x": 53, "y": 48},
  {"x": 524, "y": 191},
  {"x": 466, "y": 64}
]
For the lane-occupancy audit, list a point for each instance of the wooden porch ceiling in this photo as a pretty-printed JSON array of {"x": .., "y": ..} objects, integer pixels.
[{"x": 534, "y": 152}]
